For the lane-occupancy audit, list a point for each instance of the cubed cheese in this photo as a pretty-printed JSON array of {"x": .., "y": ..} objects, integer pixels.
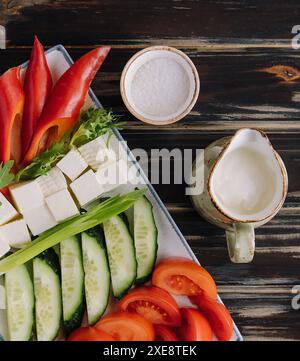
[
  {"x": 72, "y": 164},
  {"x": 7, "y": 211},
  {"x": 40, "y": 219},
  {"x": 2, "y": 298},
  {"x": 62, "y": 205},
  {"x": 134, "y": 180},
  {"x": 52, "y": 182},
  {"x": 4, "y": 247},
  {"x": 96, "y": 153},
  {"x": 119, "y": 147},
  {"x": 27, "y": 196},
  {"x": 113, "y": 176},
  {"x": 86, "y": 188},
  {"x": 15, "y": 233}
]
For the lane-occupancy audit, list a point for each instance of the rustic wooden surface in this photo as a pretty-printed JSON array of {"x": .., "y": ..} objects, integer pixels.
[{"x": 249, "y": 77}]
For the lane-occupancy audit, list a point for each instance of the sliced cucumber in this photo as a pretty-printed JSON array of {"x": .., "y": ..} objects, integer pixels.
[
  {"x": 121, "y": 255},
  {"x": 72, "y": 283},
  {"x": 48, "y": 304},
  {"x": 145, "y": 238},
  {"x": 97, "y": 275},
  {"x": 20, "y": 304},
  {"x": 129, "y": 216}
]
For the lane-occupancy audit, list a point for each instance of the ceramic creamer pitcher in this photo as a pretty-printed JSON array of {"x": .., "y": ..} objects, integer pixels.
[{"x": 245, "y": 185}]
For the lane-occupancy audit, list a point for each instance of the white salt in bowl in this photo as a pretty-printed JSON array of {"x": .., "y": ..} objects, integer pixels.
[{"x": 160, "y": 85}]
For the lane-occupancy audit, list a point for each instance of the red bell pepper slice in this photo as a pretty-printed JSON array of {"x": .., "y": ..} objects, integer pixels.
[
  {"x": 11, "y": 109},
  {"x": 64, "y": 104},
  {"x": 37, "y": 87}
]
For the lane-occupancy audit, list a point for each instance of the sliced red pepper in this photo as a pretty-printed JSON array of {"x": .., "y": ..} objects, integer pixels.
[
  {"x": 11, "y": 109},
  {"x": 5, "y": 191},
  {"x": 37, "y": 87},
  {"x": 64, "y": 104}
]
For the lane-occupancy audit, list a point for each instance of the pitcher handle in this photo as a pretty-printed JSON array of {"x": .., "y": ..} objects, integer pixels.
[{"x": 241, "y": 242}]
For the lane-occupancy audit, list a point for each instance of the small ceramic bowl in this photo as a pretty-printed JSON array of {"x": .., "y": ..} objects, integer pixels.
[{"x": 190, "y": 94}]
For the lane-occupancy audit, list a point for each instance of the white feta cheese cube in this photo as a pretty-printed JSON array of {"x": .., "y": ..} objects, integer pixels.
[
  {"x": 4, "y": 247},
  {"x": 86, "y": 188},
  {"x": 15, "y": 233},
  {"x": 52, "y": 182},
  {"x": 119, "y": 147},
  {"x": 7, "y": 211},
  {"x": 113, "y": 176},
  {"x": 39, "y": 220},
  {"x": 27, "y": 196},
  {"x": 134, "y": 180},
  {"x": 62, "y": 205},
  {"x": 96, "y": 153},
  {"x": 72, "y": 164}
]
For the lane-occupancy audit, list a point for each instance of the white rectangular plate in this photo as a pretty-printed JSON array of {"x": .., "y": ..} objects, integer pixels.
[{"x": 170, "y": 240}]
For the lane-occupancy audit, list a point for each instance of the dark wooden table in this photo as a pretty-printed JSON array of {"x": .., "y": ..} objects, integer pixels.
[{"x": 249, "y": 77}]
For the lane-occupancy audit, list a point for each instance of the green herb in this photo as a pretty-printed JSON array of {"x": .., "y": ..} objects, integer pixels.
[
  {"x": 6, "y": 177},
  {"x": 81, "y": 223},
  {"x": 92, "y": 124},
  {"x": 46, "y": 160}
]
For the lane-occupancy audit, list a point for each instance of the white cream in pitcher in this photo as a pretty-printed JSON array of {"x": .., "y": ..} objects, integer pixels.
[
  {"x": 245, "y": 185},
  {"x": 247, "y": 182},
  {"x": 244, "y": 181}
]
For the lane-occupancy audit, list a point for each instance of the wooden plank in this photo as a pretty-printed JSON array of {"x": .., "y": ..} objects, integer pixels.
[
  {"x": 277, "y": 320},
  {"x": 237, "y": 89},
  {"x": 142, "y": 21},
  {"x": 234, "y": 86}
]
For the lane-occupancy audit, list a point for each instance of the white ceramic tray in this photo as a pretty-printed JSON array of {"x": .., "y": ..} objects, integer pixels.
[{"x": 170, "y": 240}]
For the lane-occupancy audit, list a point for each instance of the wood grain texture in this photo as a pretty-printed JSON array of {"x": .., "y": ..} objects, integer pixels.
[
  {"x": 249, "y": 77},
  {"x": 135, "y": 21}
]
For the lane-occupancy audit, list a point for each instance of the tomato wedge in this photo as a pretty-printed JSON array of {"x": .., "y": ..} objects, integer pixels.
[
  {"x": 153, "y": 303},
  {"x": 124, "y": 326},
  {"x": 217, "y": 315},
  {"x": 164, "y": 333},
  {"x": 195, "y": 326},
  {"x": 89, "y": 334},
  {"x": 182, "y": 276}
]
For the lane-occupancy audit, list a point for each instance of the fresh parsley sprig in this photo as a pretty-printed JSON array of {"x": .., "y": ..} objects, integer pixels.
[
  {"x": 93, "y": 123},
  {"x": 6, "y": 176},
  {"x": 45, "y": 161}
]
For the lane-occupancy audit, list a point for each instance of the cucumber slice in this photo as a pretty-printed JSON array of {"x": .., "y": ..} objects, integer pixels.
[
  {"x": 20, "y": 304},
  {"x": 97, "y": 275},
  {"x": 48, "y": 309},
  {"x": 145, "y": 238},
  {"x": 129, "y": 216},
  {"x": 121, "y": 255},
  {"x": 72, "y": 283}
]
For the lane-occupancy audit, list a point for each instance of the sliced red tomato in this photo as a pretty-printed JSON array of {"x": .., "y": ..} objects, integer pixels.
[
  {"x": 124, "y": 326},
  {"x": 195, "y": 326},
  {"x": 217, "y": 315},
  {"x": 89, "y": 334},
  {"x": 181, "y": 276},
  {"x": 153, "y": 303},
  {"x": 164, "y": 333}
]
